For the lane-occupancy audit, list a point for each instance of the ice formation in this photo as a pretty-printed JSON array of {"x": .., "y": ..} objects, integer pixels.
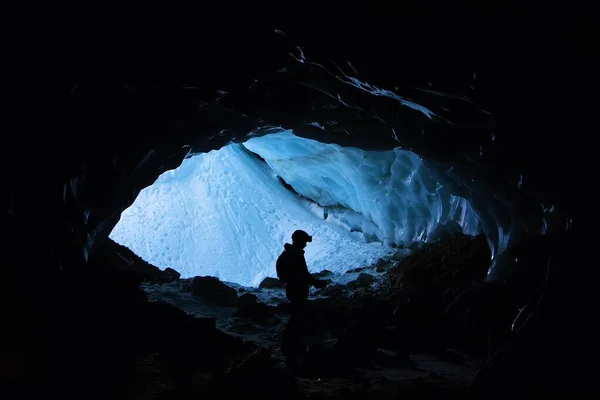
[
  {"x": 227, "y": 213},
  {"x": 390, "y": 195}
]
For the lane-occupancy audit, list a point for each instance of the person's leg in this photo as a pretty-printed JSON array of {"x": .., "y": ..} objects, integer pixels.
[{"x": 292, "y": 345}]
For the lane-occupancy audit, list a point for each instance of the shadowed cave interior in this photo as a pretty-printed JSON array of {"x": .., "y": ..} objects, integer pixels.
[{"x": 432, "y": 165}]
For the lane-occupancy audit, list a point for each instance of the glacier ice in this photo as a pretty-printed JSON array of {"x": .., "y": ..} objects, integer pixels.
[
  {"x": 388, "y": 194},
  {"x": 227, "y": 214}
]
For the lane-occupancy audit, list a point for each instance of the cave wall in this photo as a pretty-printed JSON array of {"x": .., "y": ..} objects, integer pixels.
[{"x": 79, "y": 150}]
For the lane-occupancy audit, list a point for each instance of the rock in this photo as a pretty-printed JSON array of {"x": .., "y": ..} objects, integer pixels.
[
  {"x": 391, "y": 359},
  {"x": 333, "y": 290},
  {"x": 416, "y": 245},
  {"x": 399, "y": 255},
  {"x": 320, "y": 356},
  {"x": 174, "y": 275},
  {"x": 322, "y": 274},
  {"x": 213, "y": 290},
  {"x": 355, "y": 346},
  {"x": 332, "y": 315},
  {"x": 354, "y": 270},
  {"x": 248, "y": 307},
  {"x": 381, "y": 265},
  {"x": 247, "y": 300},
  {"x": 454, "y": 263},
  {"x": 198, "y": 345},
  {"x": 364, "y": 280},
  {"x": 114, "y": 256},
  {"x": 443, "y": 231},
  {"x": 166, "y": 314},
  {"x": 427, "y": 282},
  {"x": 271, "y": 283},
  {"x": 256, "y": 359},
  {"x": 253, "y": 377}
]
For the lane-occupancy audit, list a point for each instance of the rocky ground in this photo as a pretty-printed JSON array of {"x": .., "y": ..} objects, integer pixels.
[
  {"x": 418, "y": 327},
  {"x": 379, "y": 332}
]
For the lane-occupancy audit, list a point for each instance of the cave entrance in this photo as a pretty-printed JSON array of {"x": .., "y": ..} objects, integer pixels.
[{"x": 227, "y": 213}]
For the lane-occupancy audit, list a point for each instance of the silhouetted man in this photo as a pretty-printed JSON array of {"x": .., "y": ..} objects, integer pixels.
[{"x": 293, "y": 271}]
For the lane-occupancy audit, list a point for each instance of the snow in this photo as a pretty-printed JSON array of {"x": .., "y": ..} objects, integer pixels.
[{"x": 226, "y": 214}]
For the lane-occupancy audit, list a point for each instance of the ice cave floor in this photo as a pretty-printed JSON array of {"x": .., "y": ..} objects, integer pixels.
[{"x": 392, "y": 328}]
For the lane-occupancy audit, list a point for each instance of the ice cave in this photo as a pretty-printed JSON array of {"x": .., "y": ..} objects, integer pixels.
[{"x": 440, "y": 156}]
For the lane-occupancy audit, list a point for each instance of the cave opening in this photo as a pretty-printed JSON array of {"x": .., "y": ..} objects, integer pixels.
[{"x": 228, "y": 212}]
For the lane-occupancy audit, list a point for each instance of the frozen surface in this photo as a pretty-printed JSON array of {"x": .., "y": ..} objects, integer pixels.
[
  {"x": 226, "y": 214},
  {"x": 388, "y": 195}
]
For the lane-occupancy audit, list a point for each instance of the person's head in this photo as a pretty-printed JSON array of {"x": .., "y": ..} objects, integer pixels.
[{"x": 300, "y": 238}]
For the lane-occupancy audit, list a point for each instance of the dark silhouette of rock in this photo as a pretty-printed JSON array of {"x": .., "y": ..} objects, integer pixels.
[
  {"x": 334, "y": 291},
  {"x": 247, "y": 300},
  {"x": 258, "y": 358},
  {"x": 213, "y": 290},
  {"x": 248, "y": 307},
  {"x": 363, "y": 280},
  {"x": 442, "y": 231},
  {"x": 253, "y": 377},
  {"x": 174, "y": 274},
  {"x": 322, "y": 274},
  {"x": 398, "y": 255},
  {"x": 381, "y": 265},
  {"x": 113, "y": 255},
  {"x": 354, "y": 270},
  {"x": 198, "y": 345},
  {"x": 271, "y": 283},
  {"x": 450, "y": 265}
]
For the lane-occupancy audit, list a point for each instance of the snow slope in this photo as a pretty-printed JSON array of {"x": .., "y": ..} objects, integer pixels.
[{"x": 226, "y": 214}]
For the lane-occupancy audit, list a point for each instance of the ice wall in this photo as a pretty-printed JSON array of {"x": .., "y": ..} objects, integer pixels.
[{"x": 387, "y": 194}]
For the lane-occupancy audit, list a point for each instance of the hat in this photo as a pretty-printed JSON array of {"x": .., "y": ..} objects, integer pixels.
[{"x": 301, "y": 236}]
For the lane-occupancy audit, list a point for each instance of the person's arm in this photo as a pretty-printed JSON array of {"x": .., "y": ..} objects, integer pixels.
[{"x": 318, "y": 283}]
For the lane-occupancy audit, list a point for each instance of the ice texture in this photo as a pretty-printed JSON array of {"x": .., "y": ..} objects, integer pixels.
[{"x": 389, "y": 194}]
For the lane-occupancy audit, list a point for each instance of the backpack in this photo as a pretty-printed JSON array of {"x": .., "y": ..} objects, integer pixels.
[{"x": 282, "y": 267}]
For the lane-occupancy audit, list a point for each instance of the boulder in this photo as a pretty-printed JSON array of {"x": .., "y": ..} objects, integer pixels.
[
  {"x": 198, "y": 345},
  {"x": 116, "y": 257},
  {"x": 258, "y": 358},
  {"x": 399, "y": 255},
  {"x": 173, "y": 275},
  {"x": 213, "y": 290},
  {"x": 364, "y": 280},
  {"x": 271, "y": 283},
  {"x": 247, "y": 300},
  {"x": 354, "y": 270},
  {"x": 322, "y": 274},
  {"x": 248, "y": 307},
  {"x": 445, "y": 230},
  {"x": 381, "y": 265}
]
